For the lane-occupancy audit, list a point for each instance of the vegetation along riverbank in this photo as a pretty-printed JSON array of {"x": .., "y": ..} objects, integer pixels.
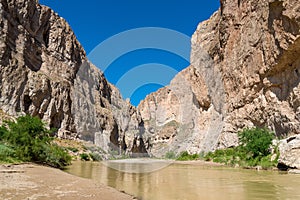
[{"x": 257, "y": 149}]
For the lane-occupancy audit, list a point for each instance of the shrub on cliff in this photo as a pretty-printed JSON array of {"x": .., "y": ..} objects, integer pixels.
[{"x": 30, "y": 141}]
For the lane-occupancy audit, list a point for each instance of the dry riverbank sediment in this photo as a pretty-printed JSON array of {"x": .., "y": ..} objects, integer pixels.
[{"x": 30, "y": 181}]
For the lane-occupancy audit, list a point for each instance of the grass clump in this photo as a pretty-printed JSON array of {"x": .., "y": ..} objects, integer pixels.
[
  {"x": 73, "y": 149},
  {"x": 183, "y": 156},
  {"x": 95, "y": 156},
  {"x": 254, "y": 150},
  {"x": 28, "y": 140}
]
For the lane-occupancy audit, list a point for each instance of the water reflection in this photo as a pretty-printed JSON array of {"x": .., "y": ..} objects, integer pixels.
[
  {"x": 137, "y": 165},
  {"x": 261, "y": 189},
  {"x": 190, "y": 182}
]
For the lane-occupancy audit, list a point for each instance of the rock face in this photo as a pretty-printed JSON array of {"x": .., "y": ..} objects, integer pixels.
[
  {"x": 245, "y": 71},
  {"x": 44, "y": 72},
  {"x": 289, "y": 152}
]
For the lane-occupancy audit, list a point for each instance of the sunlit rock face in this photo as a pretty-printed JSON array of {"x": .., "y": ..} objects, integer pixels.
[
  {"x": 44, "y": 72},
  {"x": 289, "y": 153},
  {"x": 245, "y": 71}
]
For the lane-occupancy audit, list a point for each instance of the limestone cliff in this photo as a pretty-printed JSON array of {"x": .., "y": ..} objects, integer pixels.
[
  {"x": 245, "y": 71},
  {"x": 44, "y": 72}
]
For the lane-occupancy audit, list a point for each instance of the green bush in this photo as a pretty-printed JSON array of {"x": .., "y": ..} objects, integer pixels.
[
  {"x": 95, "y": 156},
  {"x": 55, "y": 156},
  {"x": 3, "y": 131},
  {"x": 252, "y": 151},
  {"x": 7, "y": 154},
  {"x": 31, "y": 141},
  {"x": 186, "y": 156},
  {"x": 228, "y": 156},
  {"x": 84, "y": 157},
  {"x": 73, "y": 149},
  {"x": 256, "y": 140}
]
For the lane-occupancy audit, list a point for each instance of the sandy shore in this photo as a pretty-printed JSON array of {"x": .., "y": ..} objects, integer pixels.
[{"x": 30, "y": 182}]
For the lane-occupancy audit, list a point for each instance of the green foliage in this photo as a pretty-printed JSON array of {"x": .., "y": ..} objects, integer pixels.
[
  {"x": 186, "y": 156},
  {"x": 84, "y": 157},
  {"x": 31, "y": 141},
  {"x": 170, "y": 155},
  {"x": 266, "y": 162},
  {"x": 252, "y": 151},
  {"x": 3, "y": 131},
  {"x": 73, "y": 149},
  {"x": 95, "y": 156},
  {"x": 256, "y": 140},
  {"x": 222, "y": 156},
  {"x": 7, "y": 154},
  {"x": 54, "y": 156}
]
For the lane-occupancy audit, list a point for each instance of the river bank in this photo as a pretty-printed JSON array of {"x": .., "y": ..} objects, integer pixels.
[{"x": 30, "y": 181}]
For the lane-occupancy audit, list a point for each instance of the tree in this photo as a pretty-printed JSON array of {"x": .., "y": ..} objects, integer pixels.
[{"x": 256, "y": 141}]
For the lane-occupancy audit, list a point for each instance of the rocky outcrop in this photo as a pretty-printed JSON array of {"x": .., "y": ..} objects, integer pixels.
[
  {"x": 289, "y": 153},
  {"x": 4, "y": 117},
  {"x": 174, "y": 115},
  {"x": 245, "y": 71},
  {"x": 44, "y": 72}
]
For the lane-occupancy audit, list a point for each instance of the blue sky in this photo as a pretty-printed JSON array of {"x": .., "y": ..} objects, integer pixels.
[{"x": 95, "y": 21}]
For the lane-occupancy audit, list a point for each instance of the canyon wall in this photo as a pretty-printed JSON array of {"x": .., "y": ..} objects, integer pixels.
[
  {"x": 44, "y": 72},
  {"x": 245, "y": 72}
]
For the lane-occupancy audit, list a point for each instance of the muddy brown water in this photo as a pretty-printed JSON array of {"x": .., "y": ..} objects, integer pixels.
[{"x": 189, "y": 181}]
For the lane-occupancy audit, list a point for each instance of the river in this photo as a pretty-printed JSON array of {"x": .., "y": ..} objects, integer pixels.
[{"x": 156, "y": 180}]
